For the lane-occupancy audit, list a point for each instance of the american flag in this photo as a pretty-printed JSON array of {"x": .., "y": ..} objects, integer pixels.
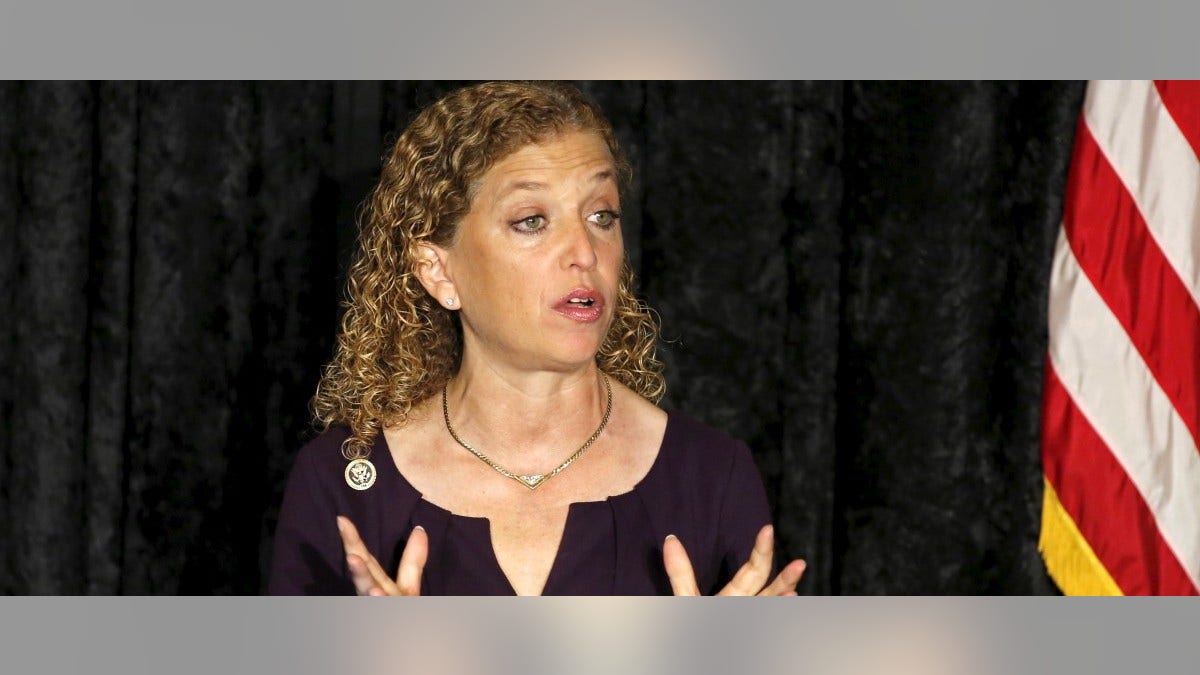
[{"x": 1121, "y": 405}]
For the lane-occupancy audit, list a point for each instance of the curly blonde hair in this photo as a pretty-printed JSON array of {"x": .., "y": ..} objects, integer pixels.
[{"x": 397, "y": 346}]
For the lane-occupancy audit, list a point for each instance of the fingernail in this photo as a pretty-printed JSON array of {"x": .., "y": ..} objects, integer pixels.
[
  {"x": 341, "y": 524},
  {"x": 418, "y": 527},
  {"x": 670, "y": 537}
]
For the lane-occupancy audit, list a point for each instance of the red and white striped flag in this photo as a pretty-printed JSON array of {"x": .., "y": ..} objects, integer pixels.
[{"x": 1121, "y": 407}]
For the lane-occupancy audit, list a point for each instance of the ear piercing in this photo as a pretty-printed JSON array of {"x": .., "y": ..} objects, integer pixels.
[{"x": 449, "y": 302}]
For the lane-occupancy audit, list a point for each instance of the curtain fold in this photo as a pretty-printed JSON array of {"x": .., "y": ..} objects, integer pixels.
[{"x": 852, "y": 278}]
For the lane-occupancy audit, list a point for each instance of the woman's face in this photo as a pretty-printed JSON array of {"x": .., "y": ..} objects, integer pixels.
[{"x": 537, "y": 259}]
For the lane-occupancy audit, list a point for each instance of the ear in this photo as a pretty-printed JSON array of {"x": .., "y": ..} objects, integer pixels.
[{"x": 432, "y": 272}]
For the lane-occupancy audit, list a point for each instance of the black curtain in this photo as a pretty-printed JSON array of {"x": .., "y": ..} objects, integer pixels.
[{"x": 852, "y": 278}]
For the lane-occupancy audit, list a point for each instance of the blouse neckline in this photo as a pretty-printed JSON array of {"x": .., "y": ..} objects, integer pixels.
[
  {"x": 483, "y": 524},
  {"x": 380, "y": 447}
]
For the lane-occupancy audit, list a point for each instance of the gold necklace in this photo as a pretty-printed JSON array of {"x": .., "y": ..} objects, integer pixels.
[{"x": 534, "y": 480}]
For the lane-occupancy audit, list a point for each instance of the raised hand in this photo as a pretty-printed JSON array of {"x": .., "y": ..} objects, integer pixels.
[
  {"x": 751, "y": 578},
  {"x": 369, "y": 577}
]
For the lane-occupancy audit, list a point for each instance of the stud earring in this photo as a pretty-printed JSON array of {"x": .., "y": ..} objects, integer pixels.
[{"x": 449, "y": 302}]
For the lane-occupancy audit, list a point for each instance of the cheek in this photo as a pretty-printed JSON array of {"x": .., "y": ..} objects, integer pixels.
[
  {"x": 515, "y": 284},
  {"x": 481, "y": 275},
  {"x": 611, "y": 259}
]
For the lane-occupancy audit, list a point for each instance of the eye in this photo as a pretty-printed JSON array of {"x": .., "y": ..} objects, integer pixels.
[
  {"x": 530, "y": 224},
  {"x": 604, "y": 219}
]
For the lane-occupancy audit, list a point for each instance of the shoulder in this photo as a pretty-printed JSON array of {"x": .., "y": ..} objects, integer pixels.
[
  {"x": 701, "y": 456},
  {"x": 700, "y": 442},
  {"x": 727, "y": 472},
  {"x": 319, "y": 464},
  {"x": 324, "y": 450},
  {"x": 697, "y": 431}
]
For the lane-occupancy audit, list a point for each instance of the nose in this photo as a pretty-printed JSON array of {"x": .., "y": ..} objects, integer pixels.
[{"x": 580, "y": 247}]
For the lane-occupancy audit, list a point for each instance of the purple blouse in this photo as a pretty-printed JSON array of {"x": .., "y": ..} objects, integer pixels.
[{"x": 703, "y": 487}]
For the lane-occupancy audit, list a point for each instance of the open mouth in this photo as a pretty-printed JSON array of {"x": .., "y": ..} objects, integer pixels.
[{"x": 582, "y": 304}]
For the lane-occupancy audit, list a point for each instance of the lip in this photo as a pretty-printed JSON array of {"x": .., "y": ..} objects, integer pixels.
[{"x": 578, "y": 312}]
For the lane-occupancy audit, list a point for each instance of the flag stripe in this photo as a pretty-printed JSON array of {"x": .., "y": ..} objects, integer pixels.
[
  {"x": 1182, "y": 99},
  {"x": 1112, "y": 244},
  {"x": 1105, "y": 506},
  {"x": 1112, "y": 387},
  {"x": 1157, "y": 165}
]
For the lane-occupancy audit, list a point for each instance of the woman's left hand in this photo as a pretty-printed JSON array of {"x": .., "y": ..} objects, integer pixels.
[
  {"x": 749, "y": 580},
  {"x": 366, "y": 573}
]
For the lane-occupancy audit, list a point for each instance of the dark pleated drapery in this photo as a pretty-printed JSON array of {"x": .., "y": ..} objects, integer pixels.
[{"x": 851, "y": 276}]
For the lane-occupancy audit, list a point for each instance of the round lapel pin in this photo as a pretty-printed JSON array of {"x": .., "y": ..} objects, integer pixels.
[{"x": 360, "y": 474}]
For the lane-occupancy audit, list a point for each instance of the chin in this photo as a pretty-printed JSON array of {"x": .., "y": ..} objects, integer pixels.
[
  {"x": 574, "y": 347},
  {"x": 574, "y": 355}
]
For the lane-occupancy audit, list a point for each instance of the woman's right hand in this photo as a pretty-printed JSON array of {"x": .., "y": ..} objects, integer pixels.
[
  {"x": 369, "y": 577},
  {"x": 751, "y": 578}
]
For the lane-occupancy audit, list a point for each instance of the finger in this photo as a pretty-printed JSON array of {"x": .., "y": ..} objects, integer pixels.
[
  {"x": 753, "y": 575},
  {"x": 351, "y": 542},
  {"x": 785, "y": 583},
  {"x": 364, "y": 583},
  {"x": 679, "y": 567},
  {"x": 412, "y": 562},
  {"x": 353, "y": 545},
  {"x": 356, "y": 553}
]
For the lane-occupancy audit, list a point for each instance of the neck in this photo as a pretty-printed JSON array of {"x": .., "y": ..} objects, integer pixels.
[{"x": 528, "y": 419}]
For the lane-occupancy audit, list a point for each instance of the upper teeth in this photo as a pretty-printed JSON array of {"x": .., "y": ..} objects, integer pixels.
[{"x": 581, "y": 301}]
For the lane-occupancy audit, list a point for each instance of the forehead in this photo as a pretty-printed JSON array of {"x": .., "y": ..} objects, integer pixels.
[{"x": 568, "y": 156}]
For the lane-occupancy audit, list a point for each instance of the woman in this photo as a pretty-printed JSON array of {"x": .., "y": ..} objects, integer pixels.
[{"x": 489, "y": 415}]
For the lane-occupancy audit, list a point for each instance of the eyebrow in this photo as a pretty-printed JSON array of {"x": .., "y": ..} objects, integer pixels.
[{"x": 534, "y": 186}]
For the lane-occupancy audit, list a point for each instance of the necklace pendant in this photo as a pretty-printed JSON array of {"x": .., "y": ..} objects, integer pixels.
[{"x": 532, "y": 481}]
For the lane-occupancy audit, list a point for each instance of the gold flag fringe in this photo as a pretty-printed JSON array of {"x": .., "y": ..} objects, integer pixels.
[{"x": 1069, "y": 558}]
